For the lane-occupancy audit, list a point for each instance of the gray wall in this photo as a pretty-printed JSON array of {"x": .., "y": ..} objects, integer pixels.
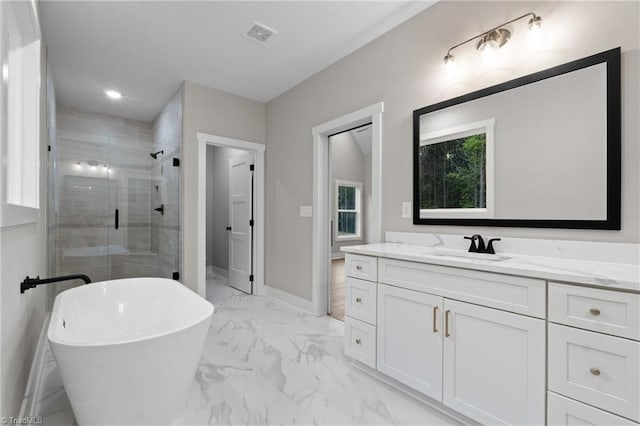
[
  {"x": 349, "y": 162},
  {"x": 404, "y": 69},
  {"x": 218, "y": 205},
  {"x": 219, "y": 113}
]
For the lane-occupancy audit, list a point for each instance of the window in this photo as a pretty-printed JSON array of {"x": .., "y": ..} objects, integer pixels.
[
  {"x": 20, "y": 123},
  {"x": 456, "y": 171},
  {"x": 348, "y": 210}
]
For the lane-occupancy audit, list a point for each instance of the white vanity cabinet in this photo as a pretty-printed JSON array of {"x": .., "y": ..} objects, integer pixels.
[
  {"x": 587, "y": 365},
  {"x": 485, "y": 363},
  {"x": 495, "y": 347},
  {"x": 360, "y": 308}
]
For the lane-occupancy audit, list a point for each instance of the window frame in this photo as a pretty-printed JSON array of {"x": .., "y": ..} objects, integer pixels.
[
  {"x": 20, "y": 133},
  {"x": 358, "y": 210},
  {"x": 483, "y": 126}
]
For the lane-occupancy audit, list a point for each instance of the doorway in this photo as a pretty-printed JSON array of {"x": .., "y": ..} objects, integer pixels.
[
  {"x": 229, "y": 212},
  {"x": 322, "y": 200},
  {"x": 231, "y": 244},
  {"x": 350, "y": 195}
]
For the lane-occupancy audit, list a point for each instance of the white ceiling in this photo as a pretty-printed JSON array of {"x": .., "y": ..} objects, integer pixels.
[{"x": 145, "y": 49}]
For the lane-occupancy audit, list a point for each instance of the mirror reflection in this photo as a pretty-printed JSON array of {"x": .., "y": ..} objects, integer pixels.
[{"x": 532, "y": 149}]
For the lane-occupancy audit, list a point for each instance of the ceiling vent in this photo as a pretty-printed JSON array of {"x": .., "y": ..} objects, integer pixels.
[{"x": 259, "y": 33}]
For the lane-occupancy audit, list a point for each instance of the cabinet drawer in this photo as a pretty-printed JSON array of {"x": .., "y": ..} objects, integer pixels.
[
  {"x": 605, "y": 311},
  {"x": 363, "y": 267},
  {"x": 360, "y": 300},
  {"x": 360, "y": 341},
  {"x": 595, "y": 368},
  {"x": 515, "y": 294},
  {"x": 562, "y": 411}
]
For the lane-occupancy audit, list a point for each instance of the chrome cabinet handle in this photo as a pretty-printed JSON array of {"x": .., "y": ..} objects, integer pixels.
[
  {"x": 446, "y": 323},
  {"x": 358, "y": 300},
  {"x": 435, "y": 317},
  {"x": 594, "y": 311},
  {"x": 358, "y": 267},
  {"x": 358, "y": 342},
  {"x": 595, "y": 371}
]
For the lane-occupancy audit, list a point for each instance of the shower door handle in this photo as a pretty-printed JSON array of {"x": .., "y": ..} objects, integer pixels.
[{"x": 117, "y": 224}]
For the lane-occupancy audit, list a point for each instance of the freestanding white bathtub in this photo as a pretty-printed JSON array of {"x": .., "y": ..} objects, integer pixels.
[{"x": 128, "y": 349}]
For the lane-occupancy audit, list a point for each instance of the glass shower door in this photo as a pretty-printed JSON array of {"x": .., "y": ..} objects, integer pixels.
[
  {"x": 165, "y": 218},
  {"x": 81, "y": 199},
  {"x": 146, "y": 198},
  {"x": 130, "y": 200},
  {"x": 115, "y": 202}
]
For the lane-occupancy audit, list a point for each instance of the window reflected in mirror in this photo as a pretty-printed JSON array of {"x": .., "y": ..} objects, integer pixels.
[{"x": 453, "y": 173}]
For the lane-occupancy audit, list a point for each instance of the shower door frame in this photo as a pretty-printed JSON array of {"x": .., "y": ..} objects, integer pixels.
[{"x": 258, "y": 150}]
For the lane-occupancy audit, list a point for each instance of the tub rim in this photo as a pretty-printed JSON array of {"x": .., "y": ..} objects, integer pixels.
[{"x": 51, "y": 335}]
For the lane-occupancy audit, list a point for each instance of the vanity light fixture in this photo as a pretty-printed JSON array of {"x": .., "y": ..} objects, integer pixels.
[{"x": 494, "y": 38}]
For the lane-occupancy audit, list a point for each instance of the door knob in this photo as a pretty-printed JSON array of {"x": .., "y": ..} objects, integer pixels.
[
  {"x": 594, "y": 311},
  {"x": 595, "y": 371},
  {"x": 228, "y": 228},
  {"x": 358, "y": 300}
]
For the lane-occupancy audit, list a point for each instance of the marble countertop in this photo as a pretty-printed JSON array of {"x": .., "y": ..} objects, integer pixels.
[{"x": 619, "y": 276}]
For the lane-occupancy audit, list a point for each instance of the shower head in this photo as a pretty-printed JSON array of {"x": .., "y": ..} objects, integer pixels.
[{"x": 154, "y": 155}]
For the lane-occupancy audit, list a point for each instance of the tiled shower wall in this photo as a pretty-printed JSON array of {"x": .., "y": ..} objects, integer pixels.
[{"x": 165, "y": 234}]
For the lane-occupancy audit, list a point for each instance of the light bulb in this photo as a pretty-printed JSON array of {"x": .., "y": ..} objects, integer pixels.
[
  {"x": 535, "y": 23},
  {"x": 449, "y": 63}
]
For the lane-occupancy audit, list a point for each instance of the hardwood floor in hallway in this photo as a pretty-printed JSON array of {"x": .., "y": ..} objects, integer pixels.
[{"x": 337, "y": 289}]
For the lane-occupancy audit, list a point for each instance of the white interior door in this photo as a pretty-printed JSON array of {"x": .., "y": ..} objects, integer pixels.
[{"x": 240, "y": 215}]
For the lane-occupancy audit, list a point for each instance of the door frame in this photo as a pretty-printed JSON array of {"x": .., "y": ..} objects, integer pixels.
[
  {"x": 258, "y": 149},
  {"x": 321, "y": 248}
]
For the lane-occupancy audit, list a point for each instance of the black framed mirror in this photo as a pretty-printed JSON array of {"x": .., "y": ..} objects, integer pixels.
[{"x": 539, "y": 151}]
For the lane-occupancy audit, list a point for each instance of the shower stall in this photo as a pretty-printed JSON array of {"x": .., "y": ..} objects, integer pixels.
[{"x": 115, "y": 205}]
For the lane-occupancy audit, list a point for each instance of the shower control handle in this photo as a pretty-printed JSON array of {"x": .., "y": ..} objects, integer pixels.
[{"x": 117, "y": 224}]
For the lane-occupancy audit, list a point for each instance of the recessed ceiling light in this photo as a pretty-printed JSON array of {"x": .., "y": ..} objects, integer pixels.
[{"x": 113, "y": 94}]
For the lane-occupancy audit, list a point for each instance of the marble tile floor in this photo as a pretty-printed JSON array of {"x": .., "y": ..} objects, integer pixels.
[{"x": 266, "y": 363}]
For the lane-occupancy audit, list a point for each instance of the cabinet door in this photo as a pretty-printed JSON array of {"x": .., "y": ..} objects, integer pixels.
[
  {"x": 494, "y": 364},
  {"x": 410, "y": 338}
]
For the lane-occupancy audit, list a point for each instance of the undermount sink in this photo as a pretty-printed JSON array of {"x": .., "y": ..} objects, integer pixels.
[{"x": 469, "y": 255}]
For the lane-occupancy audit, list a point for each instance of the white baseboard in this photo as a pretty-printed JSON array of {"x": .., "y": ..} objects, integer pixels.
[
  {"x": 436, "y": 405},
  {"x": 219, "y": 271},
  {"x": 32, "y": 389},
  {"x": 290, "y": 299}
]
